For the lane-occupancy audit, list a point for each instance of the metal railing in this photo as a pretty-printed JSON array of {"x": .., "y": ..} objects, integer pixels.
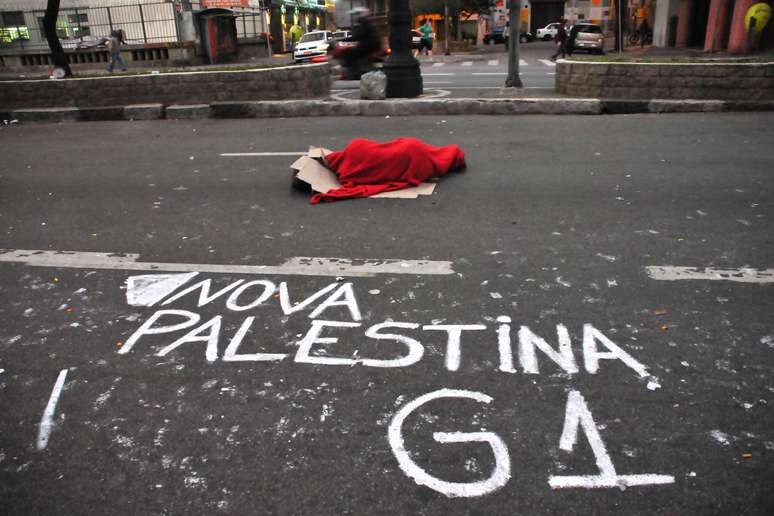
[{"x": 142, "y": 24}]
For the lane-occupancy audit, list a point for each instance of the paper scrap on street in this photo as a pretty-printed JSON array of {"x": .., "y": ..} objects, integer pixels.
[{"x": 312, "y": 170}]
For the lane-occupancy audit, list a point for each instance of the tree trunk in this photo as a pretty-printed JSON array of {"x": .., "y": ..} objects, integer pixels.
[{"x": 49, "y": 27}]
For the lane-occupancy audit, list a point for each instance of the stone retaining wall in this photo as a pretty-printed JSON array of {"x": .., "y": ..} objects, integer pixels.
[
  {"x": 721, "y": 81},
  {"x": 149, "y": 55},
  {"x": 290, "y": 82}
]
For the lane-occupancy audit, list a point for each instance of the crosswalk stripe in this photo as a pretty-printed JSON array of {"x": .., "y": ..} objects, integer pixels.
[
  {"x": 547, "y": 62},
  {"x": 438, "y": 64},
  {"x": 467, "y": 63},
  {"x": 493, "y": 62}
]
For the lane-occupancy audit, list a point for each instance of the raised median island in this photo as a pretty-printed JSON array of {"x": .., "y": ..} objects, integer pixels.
[
  {"x": 703, "y": 80},
  {"x": 196, "y": 87}
]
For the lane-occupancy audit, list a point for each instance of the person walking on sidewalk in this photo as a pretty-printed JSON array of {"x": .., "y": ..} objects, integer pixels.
[
  {"x": 571, "y": 39},
  {"x": 114, "y": 45},
  {"x": 561, "y": 40},
  {"x": 294, "y": 35},
  {"x": 427, "y": 38},
  {"x": 644, "y": 33}
]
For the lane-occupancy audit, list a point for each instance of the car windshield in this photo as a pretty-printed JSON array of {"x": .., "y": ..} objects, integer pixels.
[
  {"x": 312, "y": 36},
  {"x": 340, "y": 34},
  {"x": 594, "y": 29}
]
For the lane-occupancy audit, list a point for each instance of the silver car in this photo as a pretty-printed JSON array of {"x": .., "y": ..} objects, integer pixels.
[{"x": 589, "y": 37}]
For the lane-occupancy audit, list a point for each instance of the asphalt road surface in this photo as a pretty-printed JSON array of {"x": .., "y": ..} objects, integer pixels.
[{"x": 580, "y": 322}]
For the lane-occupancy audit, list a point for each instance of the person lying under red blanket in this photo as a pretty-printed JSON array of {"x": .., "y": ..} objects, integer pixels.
[{"x": 367, "y": 168}]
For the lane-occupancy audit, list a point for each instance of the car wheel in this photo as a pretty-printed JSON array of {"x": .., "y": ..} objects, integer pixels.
[{"x": 547, "y": 37}]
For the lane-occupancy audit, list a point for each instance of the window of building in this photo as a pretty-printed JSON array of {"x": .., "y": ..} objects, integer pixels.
[
  {"x": 70, "y": 25},
  {"x": 79, "y": 24},
  {"x": 13, "y": 27}
]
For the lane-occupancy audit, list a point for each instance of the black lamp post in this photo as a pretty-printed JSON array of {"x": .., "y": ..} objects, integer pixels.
[{"x": 402, "y": 70}]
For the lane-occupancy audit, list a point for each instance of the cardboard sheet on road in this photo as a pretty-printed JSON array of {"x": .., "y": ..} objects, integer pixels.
[{"x": 312, "y": 170}]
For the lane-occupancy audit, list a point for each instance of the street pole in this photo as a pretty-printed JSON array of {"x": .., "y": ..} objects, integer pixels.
[
  {"x": 618, "y": 15},
  {"x": 715, "y": 36},
  {"x": 446, "y": 28},
  {"x": 514, "y": 35},
  {"x": 403, "y": 76}
]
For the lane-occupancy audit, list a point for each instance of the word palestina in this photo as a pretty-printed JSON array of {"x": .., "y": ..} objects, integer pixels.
[{"x": 242, "y": 296}]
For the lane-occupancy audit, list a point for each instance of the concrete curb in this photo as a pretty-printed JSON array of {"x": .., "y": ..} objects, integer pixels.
[{"x": 398, "y": 107}]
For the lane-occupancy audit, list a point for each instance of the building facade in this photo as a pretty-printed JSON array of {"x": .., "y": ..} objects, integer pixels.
[
  {"x": 146, "y": 22},
  {"x": 142, "y": 21},
  {"x": 715, "y": 25}
]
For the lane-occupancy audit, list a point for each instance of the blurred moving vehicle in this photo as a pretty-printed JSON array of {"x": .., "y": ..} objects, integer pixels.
[
  {"x": 500, "y": 35},
  {"x": 340, "y": 36},
  {"x": 496, "y": 35},
  {"x": 548, "y": 32},
  {"x": 590, "y": 38},
  {"x": 313, "y": 45}
]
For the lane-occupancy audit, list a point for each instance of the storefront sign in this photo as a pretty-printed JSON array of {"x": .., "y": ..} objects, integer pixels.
[{"x": 226, "y": 4}]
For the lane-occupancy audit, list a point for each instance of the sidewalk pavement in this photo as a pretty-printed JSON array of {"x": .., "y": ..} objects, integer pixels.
[{"x": 380, "y": 108}]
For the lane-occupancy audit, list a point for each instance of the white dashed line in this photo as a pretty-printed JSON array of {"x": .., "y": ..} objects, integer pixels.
[
  {"x": 741, "y": 275},
  {"x": 243, "y": 154},
  {"x": 298, "y": 266}
]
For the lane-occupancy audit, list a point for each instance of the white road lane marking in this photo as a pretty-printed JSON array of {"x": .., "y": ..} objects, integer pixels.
[
  {"x": 489, "y": 73},
  {"x": 741, "y": 275},
  {"x": 297, "y": 266},
  {"x": 522, "y": 62},
  {"x": 429, "y": 83},
  {"x": 435, "y": 74},
  {"x": 243, "y": 154},
  {"x": 496, "y": 88},
  {"x": 436, "y": 65},
  {"x": 493, "y": 62},
  {"x": 467, "y": 63},
  {"x": 547, "y": 62},
  {"x": 47, "y": 421}
]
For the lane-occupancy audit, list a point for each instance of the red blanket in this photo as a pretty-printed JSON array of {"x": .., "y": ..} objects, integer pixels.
[{"x": 367, "y": 168}]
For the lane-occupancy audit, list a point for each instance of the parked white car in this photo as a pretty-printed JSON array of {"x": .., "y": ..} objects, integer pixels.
[
  {"x": 313, "y": 44},
  {"x": 548, "y": 32}
]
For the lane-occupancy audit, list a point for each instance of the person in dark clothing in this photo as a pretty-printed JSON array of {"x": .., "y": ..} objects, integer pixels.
[
  {"x": 561, "y": 40},
  {"x": 644, "y": 32},
  {"x": 356, "y": 58},
  {"x": 571, "y": 39}
]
